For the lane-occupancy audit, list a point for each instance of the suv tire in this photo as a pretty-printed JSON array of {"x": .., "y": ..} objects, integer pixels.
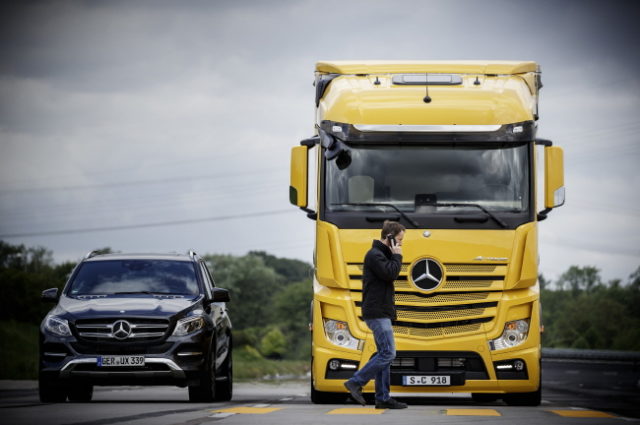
[
  {"x": 80, "y": 393},
  {"x": 205, "y": 391},
  {"x": 224, "y": 384},
  {"x": 51, "y": 391}
]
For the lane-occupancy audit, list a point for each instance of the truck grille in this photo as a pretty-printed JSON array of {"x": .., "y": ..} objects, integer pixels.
[
  {"x": 457, "y": 276},
  {"x": 468, "y": 297},
  {"x": 121, "y": 329}
]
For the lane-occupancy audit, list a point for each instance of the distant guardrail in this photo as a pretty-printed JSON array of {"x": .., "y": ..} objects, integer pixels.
[{"x": 569, "y": 354}]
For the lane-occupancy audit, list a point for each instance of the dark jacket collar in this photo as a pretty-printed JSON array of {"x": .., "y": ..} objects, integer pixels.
[{"x": 382, "y": 247}]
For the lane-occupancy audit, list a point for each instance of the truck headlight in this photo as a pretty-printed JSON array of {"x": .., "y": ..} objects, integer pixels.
[
  {"x": 514, "y": 334},
  {"x": 188, "y": 325},
  {"x": 57, "y": 326},
  {"x": 338, "y": 333}
]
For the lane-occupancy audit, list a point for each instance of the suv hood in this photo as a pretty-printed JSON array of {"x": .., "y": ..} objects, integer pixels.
[{"x": 157, "y": 307}]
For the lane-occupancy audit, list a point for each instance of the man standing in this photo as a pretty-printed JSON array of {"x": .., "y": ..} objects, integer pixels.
[{"x": 381, "y": 268}]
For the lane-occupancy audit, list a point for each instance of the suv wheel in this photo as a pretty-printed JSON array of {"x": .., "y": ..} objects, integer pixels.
[
  {"x": 205, "y": 391},
  {"x": 51, "y": 390},
  {"x": 224, "y": 384},
  {"x": 80, "y": 393}
]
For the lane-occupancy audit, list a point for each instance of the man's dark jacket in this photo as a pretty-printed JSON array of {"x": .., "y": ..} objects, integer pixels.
[{"x": 381, "y": 268}]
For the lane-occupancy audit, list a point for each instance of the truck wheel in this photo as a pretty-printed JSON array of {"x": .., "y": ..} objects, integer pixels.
[
  {"x": 51, "y": 390},
  {"x": 205, "y": 390},
  {"x": 81, "y": 393},
  {"x": 323, "y": 397},
  {"x": 524, "y": 399},
  {"x": 484, "y": 398},
  {"x": 224, "y": 382}
]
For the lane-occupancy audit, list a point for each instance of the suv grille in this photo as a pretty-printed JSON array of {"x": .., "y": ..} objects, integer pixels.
[{"x": 121, "y": 329}]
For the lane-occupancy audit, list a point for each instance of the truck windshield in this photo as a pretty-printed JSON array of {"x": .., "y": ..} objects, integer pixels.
[
  {"x": 135, "y": 277},
  {"x": 431, "y": 180}
]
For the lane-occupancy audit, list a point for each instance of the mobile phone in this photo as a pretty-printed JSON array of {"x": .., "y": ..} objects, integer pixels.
[{"x": 392, "y": 239}]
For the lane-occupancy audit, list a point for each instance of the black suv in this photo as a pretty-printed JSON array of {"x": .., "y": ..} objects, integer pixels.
[{"x": 137, "y": 320}]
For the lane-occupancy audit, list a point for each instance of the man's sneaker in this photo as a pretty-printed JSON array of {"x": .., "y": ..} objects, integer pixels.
[
  {"x": 356, "y": 392},
  {"x": 390, "y": 404}
]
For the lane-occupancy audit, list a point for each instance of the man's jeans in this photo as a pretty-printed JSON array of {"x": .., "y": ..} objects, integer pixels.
[{"x": 378, "y": 366}]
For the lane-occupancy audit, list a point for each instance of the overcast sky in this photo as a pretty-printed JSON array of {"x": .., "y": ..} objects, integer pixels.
[{"x": 119, "y": 114}]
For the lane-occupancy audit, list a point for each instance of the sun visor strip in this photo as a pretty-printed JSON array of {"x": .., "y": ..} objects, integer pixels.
[{"x": 414, "y": 134}]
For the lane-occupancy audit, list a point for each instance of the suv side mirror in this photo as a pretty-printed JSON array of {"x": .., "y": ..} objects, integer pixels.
[
  {"x": 50, "y": 295},
  {"x": 220, "y": 295}
]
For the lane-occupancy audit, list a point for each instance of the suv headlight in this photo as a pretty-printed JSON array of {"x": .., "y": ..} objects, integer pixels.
[
  {"x": 57, "y": 326},
  {"x": 338, "y": 333},
  {"x": 188, "y": 325},
  {"x": 514, "y": 334}
]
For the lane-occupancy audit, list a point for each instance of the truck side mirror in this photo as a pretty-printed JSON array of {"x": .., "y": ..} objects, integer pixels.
[
  {"x": 299, "y": 176},
  {"x": 553, "y": 177}
]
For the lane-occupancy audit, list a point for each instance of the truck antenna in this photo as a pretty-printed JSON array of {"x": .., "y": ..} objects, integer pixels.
[{"x": 427, "y": 98}]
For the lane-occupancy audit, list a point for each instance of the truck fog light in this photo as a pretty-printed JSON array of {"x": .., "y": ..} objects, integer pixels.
[
  {"x": 519, "y": 365},
  {"x": 334, "y": 364},
  {"x": 338, "y": 333},
  {"x": 514, "y": 334}
]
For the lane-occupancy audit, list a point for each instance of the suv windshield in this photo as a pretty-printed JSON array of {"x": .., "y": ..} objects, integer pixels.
[
  {"x": 135, "y": 276},
  {"x": 431, "y": 180}
]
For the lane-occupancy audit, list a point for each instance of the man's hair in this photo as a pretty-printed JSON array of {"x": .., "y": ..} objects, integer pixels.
[{"x": 391, "y": 228}]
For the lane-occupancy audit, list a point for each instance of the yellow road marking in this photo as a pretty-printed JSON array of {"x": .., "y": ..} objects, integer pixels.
[
  {"x": 472, "y": 412},
  {"x": 356, "y": 411},
  {"x": 248, "y": 410},
  {"x": 582, "y": 414}
]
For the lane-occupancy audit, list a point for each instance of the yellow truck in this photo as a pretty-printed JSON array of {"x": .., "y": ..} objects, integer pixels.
[{"x": 449, "y": 150}]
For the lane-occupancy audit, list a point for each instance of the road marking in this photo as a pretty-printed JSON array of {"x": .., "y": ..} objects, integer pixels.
[
  {"x": 472, "y": 412},
  {"x": 246, "y": 410},
  {"x": 221, "y": 415},
  {"x": 356, "y": 411},
  {"x": 582, "y": 414}
]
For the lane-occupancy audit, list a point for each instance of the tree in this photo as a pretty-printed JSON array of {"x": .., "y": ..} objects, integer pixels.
[
  {"x": 580, "y": 278},
  {"x": 251, "y": 285},
  {"x": 273, "y": 345}
]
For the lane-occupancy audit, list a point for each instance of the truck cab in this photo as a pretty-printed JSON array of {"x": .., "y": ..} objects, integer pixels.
[{"x": 448, "y": 149}]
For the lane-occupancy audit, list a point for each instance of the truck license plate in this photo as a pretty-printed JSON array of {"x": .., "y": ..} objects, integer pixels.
[
  {"x": 115, "y": 361},
  {"x": 426, "y": 380}
]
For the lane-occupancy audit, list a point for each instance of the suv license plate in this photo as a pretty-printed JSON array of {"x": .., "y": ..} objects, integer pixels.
[
  {"x": 426, "y": 380},
  {"x": 116, "y": 361}
]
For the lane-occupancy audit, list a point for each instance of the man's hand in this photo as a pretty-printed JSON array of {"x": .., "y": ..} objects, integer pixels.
[{"x": 395, "y": 248}]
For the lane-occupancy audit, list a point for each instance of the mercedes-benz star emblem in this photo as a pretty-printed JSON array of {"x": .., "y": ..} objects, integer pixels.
[
  {"x": 121, "y": 329},
  {"x": 426, "y": 274}
]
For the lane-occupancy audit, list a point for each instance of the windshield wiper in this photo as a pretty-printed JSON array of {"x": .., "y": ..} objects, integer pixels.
[
  {"x": 480, "y": 207},
  {"x": 134, "y": 292},
  {"x": 378, "y": 204}
]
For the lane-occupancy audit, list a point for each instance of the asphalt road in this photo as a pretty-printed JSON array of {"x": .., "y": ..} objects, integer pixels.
[{"x": 573, "y": 393}]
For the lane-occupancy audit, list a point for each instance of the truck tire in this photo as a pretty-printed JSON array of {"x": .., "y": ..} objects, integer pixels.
[
  {"x": 484, "y": 397},
  {"x": 524, "y": 399},
  {"x": 323, "y": 397}
]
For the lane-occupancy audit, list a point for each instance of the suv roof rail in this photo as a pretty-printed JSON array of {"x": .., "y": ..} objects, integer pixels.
[
  {"x": 91, "y": 254},
  {"x": 192, "y": 254}
]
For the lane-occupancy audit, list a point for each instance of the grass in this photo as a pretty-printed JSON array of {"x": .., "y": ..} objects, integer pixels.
[
  {"x": 249, "y": 365},
  {"x": 18, "y": 350},
  {"x": 19, "y": 357}
]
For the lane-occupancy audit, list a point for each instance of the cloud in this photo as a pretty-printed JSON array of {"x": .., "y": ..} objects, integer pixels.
[{"x": 133, "y": 112}]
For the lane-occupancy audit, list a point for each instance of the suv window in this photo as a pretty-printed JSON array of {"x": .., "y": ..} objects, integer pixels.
[
  {"x": 133, "y": 276},
  {"x": 206, "y": 277}
]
